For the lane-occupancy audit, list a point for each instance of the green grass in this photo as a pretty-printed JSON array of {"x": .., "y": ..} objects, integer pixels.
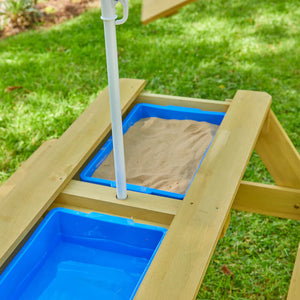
[{"x": 209, "y": 50}]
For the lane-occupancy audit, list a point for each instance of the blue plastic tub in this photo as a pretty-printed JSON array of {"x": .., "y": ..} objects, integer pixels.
[
  {"x": 141, "y": 111},
  {"x": 74, "y": 255}
]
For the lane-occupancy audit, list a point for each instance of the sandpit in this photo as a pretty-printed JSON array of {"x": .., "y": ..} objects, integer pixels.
[{"x": 162, "y": 154}]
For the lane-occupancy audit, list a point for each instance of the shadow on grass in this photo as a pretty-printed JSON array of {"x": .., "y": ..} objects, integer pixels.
[
  {"x": 208, "y": 50},
  {"x": 71, "y": 56}
]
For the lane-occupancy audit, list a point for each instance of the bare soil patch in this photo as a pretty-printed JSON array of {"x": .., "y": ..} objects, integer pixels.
[{"x": 52, "y": 12}]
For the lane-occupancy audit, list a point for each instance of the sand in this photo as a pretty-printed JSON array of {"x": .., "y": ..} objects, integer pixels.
[{"x": 162, "y": 154}]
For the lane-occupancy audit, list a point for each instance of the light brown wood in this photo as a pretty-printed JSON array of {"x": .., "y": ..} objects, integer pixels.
[
  {"x": 155, "y": 9},
  {"x": 279, "y": 154},
  {"x": 199, "y": 220},
  {"x": 283, "y": 162},
  {"x": 22, "y": 171},
  {"x": 251, "y": 197},
  {"x": 268, "y": 200},
  {"x": 180, "y": 263},
  {"x": 209, "y": 105},
  {"x": 225, "y": 227},
  {"x": 172, "y": 13},
  {"x": 137, "y": 205},
  {"x": 294, "y": 289},
  {"x": 26, "y": 202}
]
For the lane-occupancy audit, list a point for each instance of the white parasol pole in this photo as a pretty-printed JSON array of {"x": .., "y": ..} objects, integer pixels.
[{"x": 110, "y": 22}]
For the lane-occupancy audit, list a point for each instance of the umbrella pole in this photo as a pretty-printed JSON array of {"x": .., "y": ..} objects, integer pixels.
[{"x": 109, "y": 19}]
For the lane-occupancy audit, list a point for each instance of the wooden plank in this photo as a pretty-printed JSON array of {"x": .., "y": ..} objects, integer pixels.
[
  {"x": 45, "y": 179},
  {"x": 225, "y": 227},
  {"x": 155, "y": 9},
  {"x": 137, "y": 205},
  {"x": 181, "y": 261},
  {"x": 22, "y": 171},
  {"x": 268, "y": 200},
  {"x": 209, "y": 105},
  {"x": 279, "y": 154},
  {"x": 253, "y": 197},
  {"x": 294, "y": 289}
]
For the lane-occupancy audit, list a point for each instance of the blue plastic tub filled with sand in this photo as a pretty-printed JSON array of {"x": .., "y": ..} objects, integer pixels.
[
  {"x": 164, "y": 147},
  {"x": 75, "y": 255}
]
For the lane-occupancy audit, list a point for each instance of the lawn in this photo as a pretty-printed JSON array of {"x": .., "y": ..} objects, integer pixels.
[{"x": 208, "y": 50}]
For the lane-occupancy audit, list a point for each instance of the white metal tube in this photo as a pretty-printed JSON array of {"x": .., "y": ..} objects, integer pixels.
[{"x": 109, "y": 17}]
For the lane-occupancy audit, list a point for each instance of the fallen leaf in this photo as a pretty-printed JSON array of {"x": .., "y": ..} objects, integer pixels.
[
  {"x": 11, "y": 88},
  {"x": 227, "y": 271}
]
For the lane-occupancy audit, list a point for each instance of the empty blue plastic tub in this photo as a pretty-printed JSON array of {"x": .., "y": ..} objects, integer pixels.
[
  {"x": 141, "y": 111},
  {"x": 74, "y": 255}
]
